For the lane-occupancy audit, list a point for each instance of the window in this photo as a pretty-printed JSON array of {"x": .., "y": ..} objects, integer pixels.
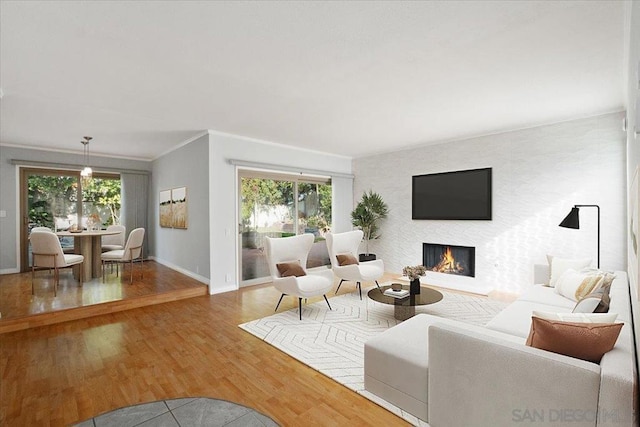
[
  {"x": 281, "y": 205},
  {"x": 58, "y": 199}
]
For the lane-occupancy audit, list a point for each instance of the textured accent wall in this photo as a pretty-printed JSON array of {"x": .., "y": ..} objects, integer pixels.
[{"x": 538, "y": 175}]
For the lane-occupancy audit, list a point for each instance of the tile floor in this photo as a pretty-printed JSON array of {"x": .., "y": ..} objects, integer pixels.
[{"x": 182, "y": 413}]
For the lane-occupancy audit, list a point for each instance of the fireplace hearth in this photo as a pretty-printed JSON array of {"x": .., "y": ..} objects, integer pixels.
[{"x": 449, "y": 259}]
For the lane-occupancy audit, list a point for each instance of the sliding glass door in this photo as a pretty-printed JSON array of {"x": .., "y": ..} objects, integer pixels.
[
  {"x": 280, "y": 205},
  {"x": 58, "y": 199}
]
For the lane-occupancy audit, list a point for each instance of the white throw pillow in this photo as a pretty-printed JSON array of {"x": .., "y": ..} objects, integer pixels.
[
  {"x": 576, "y": 285},
  {"x": 557, "y": 266},
  {"x": 577, "y": 317},
  {"x": 587, "y": 304}
]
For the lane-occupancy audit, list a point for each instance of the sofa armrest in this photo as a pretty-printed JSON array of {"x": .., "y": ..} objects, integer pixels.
[{"x": 482, "y": 378}]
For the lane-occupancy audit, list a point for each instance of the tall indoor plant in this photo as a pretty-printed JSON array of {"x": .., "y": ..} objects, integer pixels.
[{"x": 368, "y": 212}]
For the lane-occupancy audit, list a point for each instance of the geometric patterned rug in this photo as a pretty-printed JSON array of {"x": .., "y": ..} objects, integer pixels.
[{"x": 332, "y": 341}]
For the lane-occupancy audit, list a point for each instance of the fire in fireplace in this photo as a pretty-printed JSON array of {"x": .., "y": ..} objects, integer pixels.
[{"x": 449, "y": 259}]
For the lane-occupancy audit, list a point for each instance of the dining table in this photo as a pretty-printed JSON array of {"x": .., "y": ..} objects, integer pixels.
[{"x": 88, "y": 243}]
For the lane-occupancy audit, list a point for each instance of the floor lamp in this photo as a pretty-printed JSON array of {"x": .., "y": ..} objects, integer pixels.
[{"x": 573, "y": 221}]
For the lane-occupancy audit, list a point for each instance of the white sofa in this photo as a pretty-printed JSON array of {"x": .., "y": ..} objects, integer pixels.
[{"x": 449, "y": 373}]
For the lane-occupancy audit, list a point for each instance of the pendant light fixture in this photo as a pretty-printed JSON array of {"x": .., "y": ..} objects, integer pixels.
[{"x": 87, "y": 171}]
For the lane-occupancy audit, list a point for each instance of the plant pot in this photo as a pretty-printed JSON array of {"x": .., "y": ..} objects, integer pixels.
[
  {"x": 365, "y": 257},
  {"x": 414, "y": 287}
]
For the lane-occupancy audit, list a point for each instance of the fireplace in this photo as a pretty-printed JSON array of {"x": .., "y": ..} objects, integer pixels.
[{"x": 449, "y": 259}]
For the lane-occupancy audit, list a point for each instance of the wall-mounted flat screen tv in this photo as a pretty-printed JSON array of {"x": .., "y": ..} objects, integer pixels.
[{"x": 452, "y": 195}]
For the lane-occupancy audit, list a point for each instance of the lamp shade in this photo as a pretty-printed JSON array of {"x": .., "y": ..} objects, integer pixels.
[{"x": 572, "y": 220}]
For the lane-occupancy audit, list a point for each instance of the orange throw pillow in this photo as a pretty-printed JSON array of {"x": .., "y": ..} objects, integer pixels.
[
  {"x": 293, "y": 268},
  {"x": 586, "y": 341},
  {"x": 346, "y": 259}
]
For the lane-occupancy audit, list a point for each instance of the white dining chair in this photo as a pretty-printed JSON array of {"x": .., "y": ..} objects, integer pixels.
[
  {"x": 47, "y": 253},
  {"x": 287, "y": 259},
  {"x": 343, "y": 253},
  {"x": 114, "y": 242},
  {"x": 41, "y": 229},
  {"x": 132, "y": 252}
]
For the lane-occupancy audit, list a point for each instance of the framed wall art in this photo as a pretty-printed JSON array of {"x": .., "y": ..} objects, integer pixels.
[
  {"x": 179, "y": 207},
  {"x": 166, "y": 217}
]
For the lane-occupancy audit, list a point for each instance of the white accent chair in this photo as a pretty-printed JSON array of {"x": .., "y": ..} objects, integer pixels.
[
  {"x": 47, "y": 253},
  {"x": 296, "y": 249},
  {"x": 114, "y": 242},
  {"x": 347, "y": 243},
  {"x": 132, "y": 251}
]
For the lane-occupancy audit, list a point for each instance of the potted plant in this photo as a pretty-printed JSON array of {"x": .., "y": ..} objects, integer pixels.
[{"x": 365, "y": 216}]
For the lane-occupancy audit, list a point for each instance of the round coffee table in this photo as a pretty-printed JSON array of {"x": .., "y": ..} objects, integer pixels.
[{"x": 405, "y": 308}]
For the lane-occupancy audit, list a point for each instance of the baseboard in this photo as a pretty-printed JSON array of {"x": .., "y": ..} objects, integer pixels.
[
  {"x": 219, "y": 290},
  {"x": 9, "y": 270},
  {"x": 179, "y": 269}
]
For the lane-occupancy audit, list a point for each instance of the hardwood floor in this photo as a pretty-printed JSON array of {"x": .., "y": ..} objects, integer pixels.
[
  {"x": 19, "y": 309},
  {"x": 67, "y": 372}
]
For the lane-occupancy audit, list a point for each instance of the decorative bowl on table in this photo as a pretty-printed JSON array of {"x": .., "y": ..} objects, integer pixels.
[{"x": 396, "y": 287}]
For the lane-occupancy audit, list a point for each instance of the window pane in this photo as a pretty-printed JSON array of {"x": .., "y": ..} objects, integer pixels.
[
  {"x": 267, "y": 209},
  {"x": 100, "y": 202},
  {"x": 52, "y": 201},
  {"x": 314, "y": 214}
]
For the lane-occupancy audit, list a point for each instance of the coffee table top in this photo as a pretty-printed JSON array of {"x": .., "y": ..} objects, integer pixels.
[{"x": 425, "y": 297}]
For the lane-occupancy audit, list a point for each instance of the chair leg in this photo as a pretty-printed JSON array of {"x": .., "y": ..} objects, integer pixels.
[
  {"x": 360, "y": 290},
  {"x": 379, "y": 288},
  {"x": 279, "y": 301},
  {"x": 32, "y": 278},
  {"x": 300, "y": 307},
  {"x": 103, "y": 271},
  {"x": 325, "y": 298},
  {"x": 80, "y": 276},
  {"x": 339, "y": 284}
]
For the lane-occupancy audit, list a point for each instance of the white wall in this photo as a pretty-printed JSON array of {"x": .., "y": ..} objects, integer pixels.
[
  {"x": 185, "y": 250},
  {"x": 538, "y": 175},
  {"x": 224, "y": 198},
  {"x": 632, "y": 71}
]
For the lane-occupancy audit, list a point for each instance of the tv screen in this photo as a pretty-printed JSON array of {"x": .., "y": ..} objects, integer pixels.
[{"x": 452, "y": 195}]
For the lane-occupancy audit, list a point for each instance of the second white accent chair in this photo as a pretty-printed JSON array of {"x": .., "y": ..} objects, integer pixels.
[
  {"x": 114, "y": 242},
  {"x": 288, "y": 255},
  {"x": 346, "y": 246},
  {"x": 132, "y": 252}
]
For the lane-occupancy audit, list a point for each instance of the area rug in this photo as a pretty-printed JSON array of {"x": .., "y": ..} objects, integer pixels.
[{"x": 332, "y": 341}]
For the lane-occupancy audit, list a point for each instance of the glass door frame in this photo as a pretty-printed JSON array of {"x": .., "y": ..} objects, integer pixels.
[
  {"x": 23, "y": 213},
  {"x": 274, "y": 175}
]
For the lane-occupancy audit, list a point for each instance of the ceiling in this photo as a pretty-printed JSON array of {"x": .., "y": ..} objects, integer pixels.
[{"x": 350, "y": 78}]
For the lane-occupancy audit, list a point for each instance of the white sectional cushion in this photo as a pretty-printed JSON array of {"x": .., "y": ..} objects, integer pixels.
[
  {"x": 578, "y": 284},
  {"x": 577, "y": 317},
  {"x": 516, "y": 318},
  {"x": 560, "y": 265},
  {"x": 546, "y": 295}
]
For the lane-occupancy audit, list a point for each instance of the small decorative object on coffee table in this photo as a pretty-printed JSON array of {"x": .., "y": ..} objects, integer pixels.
[
  {"x": 404, "y": 307},
  {"x": 414, "y": 273}
]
